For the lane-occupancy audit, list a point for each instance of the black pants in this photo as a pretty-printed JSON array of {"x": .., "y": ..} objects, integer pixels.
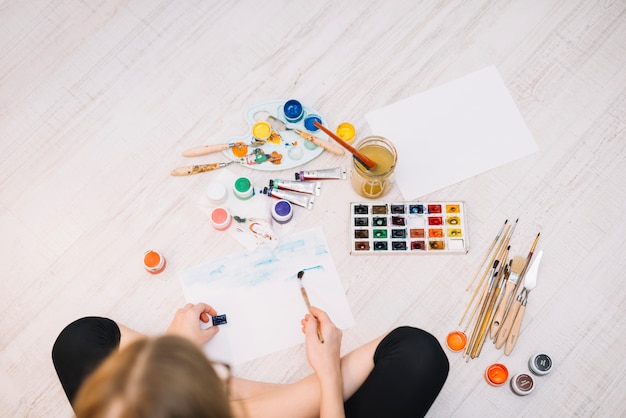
[{"x": 410, "y": 367}]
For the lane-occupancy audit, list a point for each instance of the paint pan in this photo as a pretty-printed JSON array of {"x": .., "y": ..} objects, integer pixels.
[
  {"x": 339, "y": 173},
  {"x": 300, "y": 199},
  {"x": 309, "y": 187},
  {"x": 408, "y": 228}
]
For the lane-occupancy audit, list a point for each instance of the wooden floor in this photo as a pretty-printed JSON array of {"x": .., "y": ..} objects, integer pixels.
[{"x": 99, "y": 98}]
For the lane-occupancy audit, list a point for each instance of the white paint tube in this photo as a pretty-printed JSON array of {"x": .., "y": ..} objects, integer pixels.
[
  {"x": 329, "y": 173},
  {"x": 310, "y": 187},
  {"x": 300, "y": 199}
]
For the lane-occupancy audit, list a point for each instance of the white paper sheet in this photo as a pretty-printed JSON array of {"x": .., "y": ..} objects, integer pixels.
[
  {"x": 260, "y": 294},
  {"x": 453, "y": 132}
]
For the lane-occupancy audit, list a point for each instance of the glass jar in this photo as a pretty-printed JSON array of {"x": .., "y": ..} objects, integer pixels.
[{"x": 376, "y": 182}]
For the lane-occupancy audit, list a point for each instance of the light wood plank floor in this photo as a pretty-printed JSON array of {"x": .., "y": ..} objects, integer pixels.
[{"x": 99, "y": 98}]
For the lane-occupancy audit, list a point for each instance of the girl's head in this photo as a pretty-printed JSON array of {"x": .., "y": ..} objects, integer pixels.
[{"x": 160, "y": 377}]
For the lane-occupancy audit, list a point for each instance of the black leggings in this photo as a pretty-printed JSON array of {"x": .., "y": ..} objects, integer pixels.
[{"x": 410, "y": 367}]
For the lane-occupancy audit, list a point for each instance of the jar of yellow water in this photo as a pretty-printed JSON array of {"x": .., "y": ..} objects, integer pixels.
[{"x": 374, "y": 183}]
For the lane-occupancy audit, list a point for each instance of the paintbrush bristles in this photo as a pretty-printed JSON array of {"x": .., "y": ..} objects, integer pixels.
[{"x": 517, "y": 265}]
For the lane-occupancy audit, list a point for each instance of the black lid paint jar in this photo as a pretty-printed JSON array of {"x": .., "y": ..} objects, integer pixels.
[{"x": 540, "y": 364}]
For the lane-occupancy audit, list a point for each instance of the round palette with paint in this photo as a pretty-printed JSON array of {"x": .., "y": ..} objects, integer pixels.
[{"x": 282, "y": 149}]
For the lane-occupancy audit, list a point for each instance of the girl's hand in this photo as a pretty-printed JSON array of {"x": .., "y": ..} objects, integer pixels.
[
  {"x": 325, "y": 358},
  {"x": 186, "y": 323}
]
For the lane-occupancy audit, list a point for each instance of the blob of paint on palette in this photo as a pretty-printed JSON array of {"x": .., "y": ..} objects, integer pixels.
[{"x": 408, "y": 228}]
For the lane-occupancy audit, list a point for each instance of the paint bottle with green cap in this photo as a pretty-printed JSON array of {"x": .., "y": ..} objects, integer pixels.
[{"x": 243, "y": 188}]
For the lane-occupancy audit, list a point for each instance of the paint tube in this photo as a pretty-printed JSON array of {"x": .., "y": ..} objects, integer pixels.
[
  {"x": 300, "y": 199},
  {"x": 309, "y": 187},
  {"x": 329, "y": 173}
]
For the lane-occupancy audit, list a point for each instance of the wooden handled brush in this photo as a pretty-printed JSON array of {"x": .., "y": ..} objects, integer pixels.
[{"x": 517, "y": 265}]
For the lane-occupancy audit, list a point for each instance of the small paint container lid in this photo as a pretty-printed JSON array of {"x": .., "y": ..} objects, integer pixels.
[
  {"x": 153, "y": 262},
  {"x": 522, "y": 384},
  {"x": 221, "y": 219},
  {"x": 309, "y": 122},
  {"x": 346, "y": 132},
  {"x": 217, "y": 193},
  {"x": 261, "y": 130},
  {"x": 456, "y": 340},
  {"x": 243, "y": 188},
  {"x": 282, "y": 211},
  {"x": 293, "y": 111},
  {"x": 540, "y": 364},
  {"x": 496, "y": 374}
]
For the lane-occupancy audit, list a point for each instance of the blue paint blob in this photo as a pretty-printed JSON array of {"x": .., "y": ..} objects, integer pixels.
[{"x": 308, "y": 122}]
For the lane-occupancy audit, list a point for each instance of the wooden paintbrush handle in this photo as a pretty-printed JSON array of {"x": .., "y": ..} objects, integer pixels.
[
  {"x": 327, "y": 145},
  {"x": 367, "y": 162},
  {"x": 194, "y": 169},
  {"x": 503, "y": 333},
  {"x": 205, "y": 149},
  {"x": 517, "y": 324},
  {"x": 498, "y": 317}
]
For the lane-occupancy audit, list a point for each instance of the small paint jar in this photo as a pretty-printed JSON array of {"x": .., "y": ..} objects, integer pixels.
[
  {"x": 293, "y": 111},
  {"x": 540, "y": 364},
  {"x": 243, "y": 188},
  {"x": 346, "y": 132},
  {"x": 522, "y": 384},
  {"x": 282, "y": 211},
  {"x": 261, "y": 130},
  {"x": 153, "y": 262},
  {"x": 376, "y": 182},
  {"x": 221, "y": 218},
  {"x": 309, "y": 122},
  {"x": 456, "y": 340},
  {"x": 496, "y": 374},
  {"x": 217, "y": 193}
]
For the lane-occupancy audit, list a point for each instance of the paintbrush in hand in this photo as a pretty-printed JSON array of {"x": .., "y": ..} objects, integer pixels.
[{"x": 308, "y": 303}]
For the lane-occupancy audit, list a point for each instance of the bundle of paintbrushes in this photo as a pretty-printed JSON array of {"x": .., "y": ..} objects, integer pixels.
[{"x": 495, "y": 309}]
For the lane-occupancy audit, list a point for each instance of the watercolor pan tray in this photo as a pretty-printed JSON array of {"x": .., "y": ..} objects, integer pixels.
[
  {"x": 294, "y": 149},
  {"x": 379, "y": 228}
]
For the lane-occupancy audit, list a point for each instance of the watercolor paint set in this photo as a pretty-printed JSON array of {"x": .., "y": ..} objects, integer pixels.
[{"x": 408, "y": 228}]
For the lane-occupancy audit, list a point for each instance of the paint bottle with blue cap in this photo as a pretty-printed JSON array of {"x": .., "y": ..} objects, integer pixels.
[
  {"x": 282, "y": 211},
  {"x": 293, "y": 111}
]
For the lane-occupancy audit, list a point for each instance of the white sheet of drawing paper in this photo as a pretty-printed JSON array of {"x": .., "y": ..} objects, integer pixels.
[
  {"x": 259, "y": 292},
  {"x": 453, "y": 132}
]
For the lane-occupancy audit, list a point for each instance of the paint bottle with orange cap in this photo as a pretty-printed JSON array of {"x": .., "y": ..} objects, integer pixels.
[{"x": 153, "y": 262}]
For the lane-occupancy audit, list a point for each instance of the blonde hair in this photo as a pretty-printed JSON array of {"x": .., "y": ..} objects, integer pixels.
[{"x": 160, "y": 377}]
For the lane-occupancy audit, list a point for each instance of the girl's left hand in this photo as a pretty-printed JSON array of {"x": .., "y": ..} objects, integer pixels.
[{"x": 185, "y": 323}]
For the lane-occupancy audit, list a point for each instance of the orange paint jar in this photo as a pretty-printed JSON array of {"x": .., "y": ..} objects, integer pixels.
[
  {"x": 456, "y": 340},
  {"x": 153, "y": 262},
  {"x": 496, "y": 374}
]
